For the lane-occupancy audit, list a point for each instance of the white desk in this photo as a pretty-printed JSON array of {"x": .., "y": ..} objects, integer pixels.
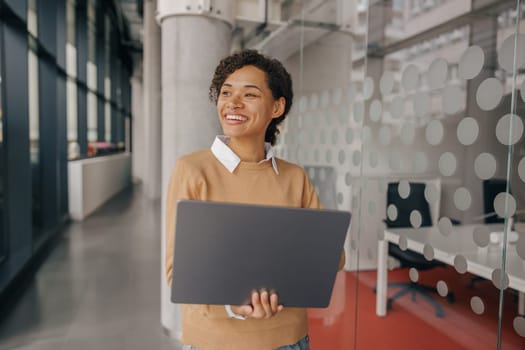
[{"x": 480, "y": 261}]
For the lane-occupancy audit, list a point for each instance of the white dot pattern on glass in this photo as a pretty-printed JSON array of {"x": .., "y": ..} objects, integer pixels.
[
  {"x": 348, "y": 179},
  {"x": 415, "y": 219},
  {"x": 422, "y": 104},
  {"x": 471, "y": 62},
  {"x": 498, "y": 281},
  {"x": 403, "y": 244},
  {"x": 477, "y": 306},
  {"x": 434, "y": 132},
  {"x": 519, "y": 325},
  {"x": 328, "y": 156},
  {"x": 314, "y": 102},
  {"x": 520, "y": 246},
  {"x": 460, "y": 263},
  {"x": 501, "y": 200},
  {"x": 485, "y": 166},
  {"x": 437, "y": 73},
  {"x": 325, "y": 99},
  {"x": 359, "y": 111},
  {"x": 489, "y": 94},
  {"x": 522, "y": 91},
  {"x": 368, "y": 88},
  {"x": 468, "y": 131},
  {"x": 397, "y": 107},
  {"x": 408, "y": 132},
  {"x": 303, "y": 104},
  {"x": 428, "y": 252},
  {"x": 351, "y": 92},
  {"x": 322, "y": 137},
  {"x": 395, "y": 161},
  {"x": 410, "y": 77},
  {"x": 452, "y": 99},
  {"x": 431, "y": 193},
  {"x": 509, "y": 129},
  {"x": 391, "y": 212},
  {"x": 506, "y": 53},
  {"x": 341, "y": 157},
  {"x": 481, "y": 236},
  {"x": 385, "y": 135},
  {"x": 420, "y": 162},
  {"x": 373, "y": 159},
  {"x": 356, "y": 158},
  {"x": 340, "y": 198},
  {"x": 366, "y": 135},
  {"x": 447, "y": 164},
  {"x": 442, "y": 288},
  {"x": 376, "y": 110},
  {"x": 335, "y": 137},
  {"x": 349, "y": 136},
  {"x": 413, "y": 274},
  {"x": 403, "y": 188},
  {"x": 445, "y": 226},
  {"x": 337, "y": 96},
  {"x": 322, "y": 174},
  {"x": 386, "y": 83},
  {"x": 521, "y": 169},
  {"x": 462, "y": 199}
]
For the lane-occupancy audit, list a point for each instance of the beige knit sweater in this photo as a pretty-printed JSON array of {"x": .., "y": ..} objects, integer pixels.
[{"x": 201, "y": 176}]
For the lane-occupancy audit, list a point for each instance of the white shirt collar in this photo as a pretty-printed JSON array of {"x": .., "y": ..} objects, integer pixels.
[{"x": 230, "y": 160}]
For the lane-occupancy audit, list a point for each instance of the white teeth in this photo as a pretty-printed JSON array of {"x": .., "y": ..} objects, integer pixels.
[{"x": 235, "y": 117}]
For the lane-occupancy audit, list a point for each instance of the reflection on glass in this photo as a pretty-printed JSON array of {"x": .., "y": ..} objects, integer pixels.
[
  {"x": 34, "y": 117},
  {"x": 3, "y": 233}
]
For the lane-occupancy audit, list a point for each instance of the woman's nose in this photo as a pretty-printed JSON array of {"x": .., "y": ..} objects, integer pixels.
[{"x": 234, "y": 102}]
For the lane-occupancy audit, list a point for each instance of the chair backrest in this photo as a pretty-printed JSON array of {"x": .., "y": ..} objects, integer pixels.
[
  {"x": 415, "y": 201},
  {"x": 491, "y": 188}
]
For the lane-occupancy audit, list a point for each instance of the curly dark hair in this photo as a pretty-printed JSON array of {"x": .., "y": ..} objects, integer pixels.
[{"x": 278, "y": 78}]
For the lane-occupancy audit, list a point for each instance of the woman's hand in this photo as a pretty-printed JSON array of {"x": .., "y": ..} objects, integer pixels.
[{"x": 264, "y": 305}]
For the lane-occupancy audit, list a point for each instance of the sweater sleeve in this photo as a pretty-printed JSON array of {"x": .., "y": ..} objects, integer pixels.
[
  {"x": 179, "y": 187},
  {"x": 311, "y": 200}
]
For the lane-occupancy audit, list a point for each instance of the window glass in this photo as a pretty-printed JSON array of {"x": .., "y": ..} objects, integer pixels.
[
  {"x": 3, "y": 233},
  {"x": 415, "y": 124},
  {"x": 71, "y": 85},
  {"x": 34, "y": 116},
  {"x": 92, "y": 110}
]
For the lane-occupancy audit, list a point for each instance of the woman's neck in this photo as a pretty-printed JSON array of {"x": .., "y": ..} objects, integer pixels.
[{"x": 248, "y": 150}]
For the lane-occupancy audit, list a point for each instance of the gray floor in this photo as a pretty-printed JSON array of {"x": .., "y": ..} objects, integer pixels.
[{"x": 99, "y": 288}]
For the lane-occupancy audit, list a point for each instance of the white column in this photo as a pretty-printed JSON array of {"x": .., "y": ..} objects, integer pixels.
[
  {"x": 195, "y": 36},
  {"x": 152, "y": 102}
]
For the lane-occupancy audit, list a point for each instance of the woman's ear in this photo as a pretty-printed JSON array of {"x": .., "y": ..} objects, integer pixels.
[{"x": 278, "y": 107}]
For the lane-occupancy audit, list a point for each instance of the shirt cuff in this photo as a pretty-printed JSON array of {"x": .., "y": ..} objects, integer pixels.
[{"x": 232, "y": 314}]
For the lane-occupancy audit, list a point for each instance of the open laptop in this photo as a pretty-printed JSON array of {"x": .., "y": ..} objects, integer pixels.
[{"x": 223, "y": 251}]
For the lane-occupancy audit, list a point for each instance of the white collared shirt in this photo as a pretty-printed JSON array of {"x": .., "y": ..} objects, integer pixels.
[{"x": 230, "y": 160}]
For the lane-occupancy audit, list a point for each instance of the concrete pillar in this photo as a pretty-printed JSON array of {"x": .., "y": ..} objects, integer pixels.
[
  {"x": 195, "y": 36},
  {"x": 152, "y": 102},
  {"x": 137, "y": 111}
]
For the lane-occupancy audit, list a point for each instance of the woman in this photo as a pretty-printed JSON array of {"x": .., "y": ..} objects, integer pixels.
[{"x": 253, "y": 94}]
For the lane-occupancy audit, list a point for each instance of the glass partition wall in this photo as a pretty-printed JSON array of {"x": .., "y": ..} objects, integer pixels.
[{"x": 409, "y": 114}]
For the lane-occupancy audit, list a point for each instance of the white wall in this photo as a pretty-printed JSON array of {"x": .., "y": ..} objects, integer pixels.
[{"x": 93, "y": 181}]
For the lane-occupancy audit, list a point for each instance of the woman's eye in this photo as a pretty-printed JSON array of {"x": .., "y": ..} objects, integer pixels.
[
  {"x": 225, "y": 93},
  {"x": 250, "y": 95}
]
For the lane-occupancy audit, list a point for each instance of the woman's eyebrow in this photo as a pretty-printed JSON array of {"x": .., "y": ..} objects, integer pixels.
[{"x": 246, "y": 86}]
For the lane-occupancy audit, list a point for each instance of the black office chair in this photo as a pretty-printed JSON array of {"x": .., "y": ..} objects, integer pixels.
[
  {"x": 415, "y": 201},
  {"x": 491, "y": 188}
]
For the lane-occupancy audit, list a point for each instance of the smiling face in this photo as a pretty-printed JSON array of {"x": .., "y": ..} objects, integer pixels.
[{"x": 246, "y": 106}]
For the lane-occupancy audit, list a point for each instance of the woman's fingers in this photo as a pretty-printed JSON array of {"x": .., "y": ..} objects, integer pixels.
[
  {"x": 274, "y": 302},
  {"x": 265, "y": 304}
]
